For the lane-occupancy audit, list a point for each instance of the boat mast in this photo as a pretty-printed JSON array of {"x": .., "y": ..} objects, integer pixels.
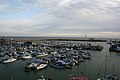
[
  {"x": 11, "y": 42},
  {"x": 101, "y": 68},
  {"x": 11, "y": 78},
  {"x": 113, "y": 70},
  {"x": 85, "y": 41},
  {"x": 106, "y": 65}
]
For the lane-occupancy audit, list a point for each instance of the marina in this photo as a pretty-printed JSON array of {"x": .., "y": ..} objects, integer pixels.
[
  {"x": 54, "y": 59},
  {"x": 59, "y": 40}
]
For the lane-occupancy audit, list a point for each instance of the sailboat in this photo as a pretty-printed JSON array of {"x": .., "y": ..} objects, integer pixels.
[{"x": 108, "y": 77}]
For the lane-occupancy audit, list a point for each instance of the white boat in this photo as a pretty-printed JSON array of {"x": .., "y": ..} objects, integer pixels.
[
  {"x": 55, "y": 52},
  {"x": 30, "y": 65},
  {"x": 35, "y": 66},
  {"x": 41, "y": 54},
  {"x": 9, "y": 60},
  {"x": 26, "y": 56},
  {"x": 81, "y": 60},
  {"x": 40, "y": 66}
]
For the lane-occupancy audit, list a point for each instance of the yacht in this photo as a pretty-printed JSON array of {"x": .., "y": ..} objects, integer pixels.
[
  {"x": 26, "y": 56},
  {"x": 41, "y": 54},
  {"x": 9, "y": 60},
  {"x": 40, "y": 66},
  {"x": 30, "y": 66},
  {"x": 35, "y": 66}
]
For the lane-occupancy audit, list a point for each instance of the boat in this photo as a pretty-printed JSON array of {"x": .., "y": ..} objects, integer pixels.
[
  {"x": 30, "y": 66},
  {"x": 40, "y": 66},
  {"x": 89, "y": 46},
  {"x": 114, "y": 47},
  {"x": 34, "y": 66},
  {"x": 42, "y": 60},
  {"x": 41, "y": 54},
  {"x": 93, "y": 47},
  {"x": 58, "y": 64},
  {"x": 26, "y": 56},
  {"x": 86, "y": 55},
  {"x": 109, "y": 41},
  {"x": 81, "y": 60},
  {"x": 9, "y": 60}
]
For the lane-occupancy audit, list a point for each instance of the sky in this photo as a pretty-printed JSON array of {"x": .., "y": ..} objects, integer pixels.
[{"x": 60, "y": 18}]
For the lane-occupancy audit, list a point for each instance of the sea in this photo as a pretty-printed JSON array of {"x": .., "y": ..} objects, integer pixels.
[{"x": 90, "y": 68}]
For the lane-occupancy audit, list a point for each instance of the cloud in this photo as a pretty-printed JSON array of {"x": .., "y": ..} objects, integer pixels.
[{"x": 60, "y": 17}]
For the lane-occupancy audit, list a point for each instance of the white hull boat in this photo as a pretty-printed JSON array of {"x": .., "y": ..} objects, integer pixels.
[
  {"x": 40, "y": 66},
  {"x": 27, "y": 56},
  {"x": 9, "y": 60},
  {"x": 41, "y": 54}
]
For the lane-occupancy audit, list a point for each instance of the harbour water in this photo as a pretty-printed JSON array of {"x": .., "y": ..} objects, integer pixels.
[{"x": 90, "y": 68}]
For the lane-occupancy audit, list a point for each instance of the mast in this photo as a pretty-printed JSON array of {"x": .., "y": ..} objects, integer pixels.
[
  {"x": 101, "y": 68},
  {"x": 106, "y": 65},
  {"x": 11, "y": 42},
  {"x": 113, "y": 70},
  {"x": 85, "y": 41}
]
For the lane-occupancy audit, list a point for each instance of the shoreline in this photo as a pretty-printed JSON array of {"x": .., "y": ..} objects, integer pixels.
[
  {"x": 55, "y": 39},
  {"x": 32, "y": 38}
]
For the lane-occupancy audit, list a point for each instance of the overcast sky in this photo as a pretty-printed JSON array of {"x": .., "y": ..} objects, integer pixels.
[{"x": 71, "y": 18}]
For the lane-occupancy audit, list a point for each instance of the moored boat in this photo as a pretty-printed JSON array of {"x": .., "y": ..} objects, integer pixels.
[
  {"x": 41, "y": 54},
  {"x": 40, "y": 66},
  {"x": 9, "y": 60},
  {"x": 30, "y": 66},
  {"x": 26, "y": 56},
  {"x": 58, "y": 64},
  {"x": 115, "y": 47},
  {"x": 42, "y": 60},
  {"x": 34, "y": 66}
]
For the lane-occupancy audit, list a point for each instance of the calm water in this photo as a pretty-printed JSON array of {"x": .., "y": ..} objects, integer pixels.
[{"x": 89, "y": 67}]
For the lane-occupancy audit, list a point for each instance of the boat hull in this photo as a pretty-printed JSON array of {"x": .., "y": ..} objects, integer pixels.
[{"x": 9, "y": 61}]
